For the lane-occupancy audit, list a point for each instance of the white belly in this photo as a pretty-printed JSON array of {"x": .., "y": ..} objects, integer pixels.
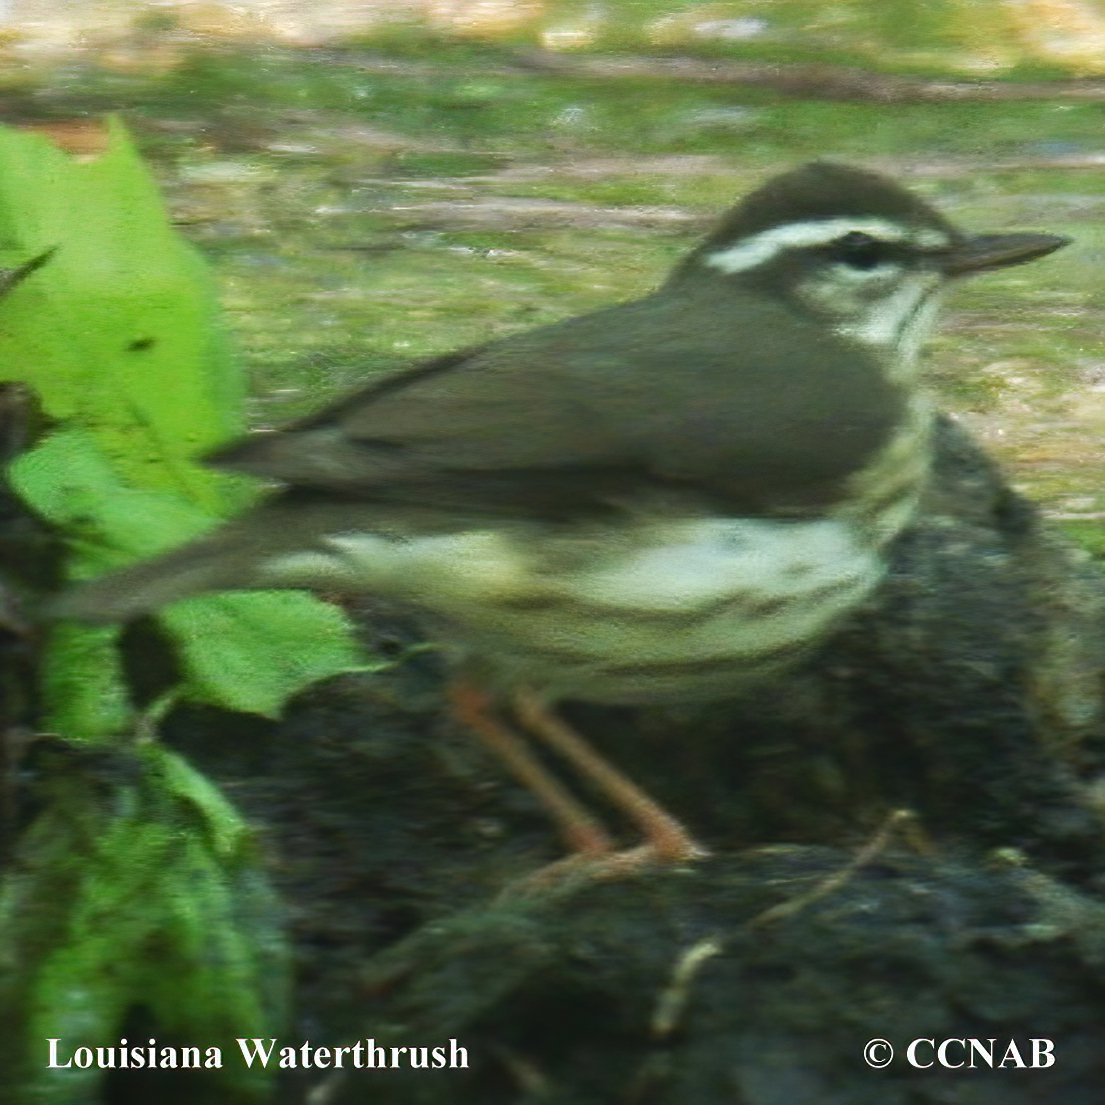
[{"x": 667, "y": 610}]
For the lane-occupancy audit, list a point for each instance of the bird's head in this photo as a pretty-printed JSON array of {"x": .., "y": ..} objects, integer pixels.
[{"x": 855, "y": 250}]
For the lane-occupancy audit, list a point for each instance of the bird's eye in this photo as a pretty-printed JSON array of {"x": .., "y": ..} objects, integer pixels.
[{"x": 858, "y": 250}]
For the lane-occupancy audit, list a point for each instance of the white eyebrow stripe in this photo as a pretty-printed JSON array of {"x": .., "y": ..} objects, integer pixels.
[{"x": 768, "y": 244}]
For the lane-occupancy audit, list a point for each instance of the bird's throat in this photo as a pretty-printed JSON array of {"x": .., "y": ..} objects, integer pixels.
[{"x": 897, "y": 327}]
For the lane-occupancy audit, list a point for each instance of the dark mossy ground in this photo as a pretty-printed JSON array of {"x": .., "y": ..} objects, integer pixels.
[{"x": 968, "y": 694}]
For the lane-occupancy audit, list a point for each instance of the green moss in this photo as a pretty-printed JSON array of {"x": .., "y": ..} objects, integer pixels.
[{"x": 1088, "y": 535}]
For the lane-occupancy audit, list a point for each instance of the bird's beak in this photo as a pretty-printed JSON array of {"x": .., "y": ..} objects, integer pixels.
[{"x": 995, "y": 251}]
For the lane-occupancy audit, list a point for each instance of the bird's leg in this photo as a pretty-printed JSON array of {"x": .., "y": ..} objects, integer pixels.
[
  {"x": 666, "y": 838},
  {"x": 581, "y": 831}
]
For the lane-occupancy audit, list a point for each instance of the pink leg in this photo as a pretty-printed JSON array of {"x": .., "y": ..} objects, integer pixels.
[
  {"x": 581, "y": 831},
  {"x": 666, "y": 838}
]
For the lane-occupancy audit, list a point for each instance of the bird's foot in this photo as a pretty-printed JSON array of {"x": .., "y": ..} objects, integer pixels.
[{"x": 585, "y": 867}]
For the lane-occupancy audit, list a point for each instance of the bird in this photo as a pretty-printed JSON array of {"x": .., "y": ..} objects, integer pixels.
[{"x": 668, "y": 500}]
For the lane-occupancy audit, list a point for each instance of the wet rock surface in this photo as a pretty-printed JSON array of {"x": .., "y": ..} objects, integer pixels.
[{"x": 968, "y": 693}]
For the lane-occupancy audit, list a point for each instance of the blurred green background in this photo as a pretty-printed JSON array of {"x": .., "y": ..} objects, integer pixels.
[{"x": 376, "y": 182}]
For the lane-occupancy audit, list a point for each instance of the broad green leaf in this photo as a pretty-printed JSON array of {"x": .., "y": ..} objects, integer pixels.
[
  {"x": 12, "y": 278},
  {"x": 248, "y": 650},
  {"x": 119, "y": 330},
  {"x": 244, "y": 651},
  {"x": 111, "y": 317},
  {"x": 107, "y": 521}
]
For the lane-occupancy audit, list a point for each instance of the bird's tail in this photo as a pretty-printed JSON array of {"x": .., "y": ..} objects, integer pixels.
[
  {"x": 289, "y": 542},
  {"x": 214, "y": 563}
]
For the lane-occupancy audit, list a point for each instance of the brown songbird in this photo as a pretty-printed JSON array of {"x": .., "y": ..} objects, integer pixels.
[{"x": 661, "y": 501}]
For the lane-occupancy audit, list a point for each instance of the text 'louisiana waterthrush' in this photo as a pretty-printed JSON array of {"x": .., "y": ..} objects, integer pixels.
[{"x": 659, "y": 501}]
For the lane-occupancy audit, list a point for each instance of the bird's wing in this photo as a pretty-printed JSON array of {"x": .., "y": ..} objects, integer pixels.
[{"x": 588, "y": 410}]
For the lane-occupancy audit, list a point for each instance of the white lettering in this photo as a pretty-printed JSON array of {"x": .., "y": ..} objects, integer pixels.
[
  {"x": 1012, "y": 1057},
  {"x": 255, "y": 1049},
  {"x": 377, "y": 1057},
  {"x": 942, "y": 1053},
  {"x": 986, "y": 1054},
  {"x": 53, "y": 1064},
  {"x": 1043, "y": 1053}
]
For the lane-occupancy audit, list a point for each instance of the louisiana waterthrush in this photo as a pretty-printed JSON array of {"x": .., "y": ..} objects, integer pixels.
[{"x": 664, "y": 500}]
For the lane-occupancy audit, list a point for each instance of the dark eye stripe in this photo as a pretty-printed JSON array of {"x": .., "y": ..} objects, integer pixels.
[{"x": 860, "y": 251}]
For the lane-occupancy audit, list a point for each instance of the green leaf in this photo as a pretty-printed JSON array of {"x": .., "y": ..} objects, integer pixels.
[
  {"x": 12, "y": 278},
  {"x": 138, "y": 886},
  {"x": 242, "y": 651},
  {"x": 107, "y": 521},
  {"x": 249, "y": 651},
  {"x": 83, "y": 684},
  {"x": 119, "y": 330},
  {"x": 111, "y": 317}
]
